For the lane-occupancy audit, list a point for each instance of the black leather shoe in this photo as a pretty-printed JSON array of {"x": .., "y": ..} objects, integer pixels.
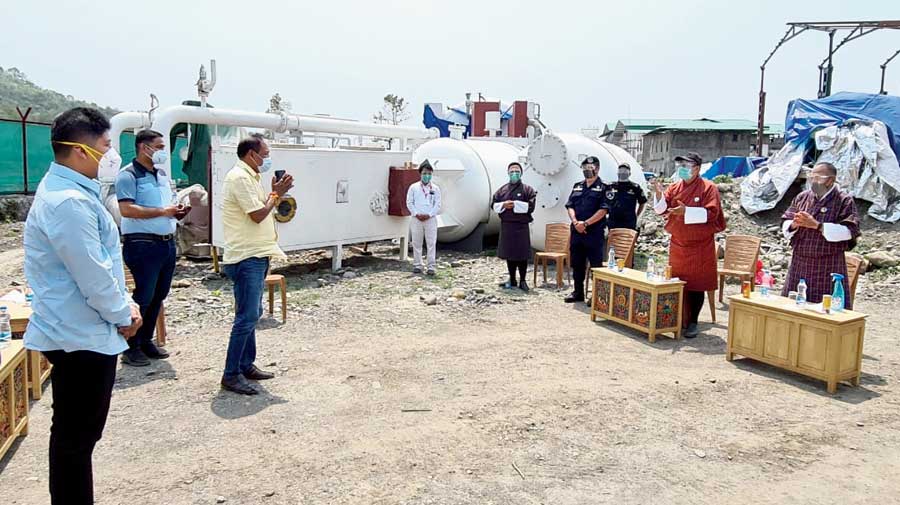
[
  {"x": 691, "y": 331},
  {"x": 239, "y": 385},
  {"x": 135, "y": 357},
  {"x": 573, "y": 298},
  {"x": 255, "y": 374},
  {"x": 523, "y": 286},
  {"x": 154, "y": 352}
]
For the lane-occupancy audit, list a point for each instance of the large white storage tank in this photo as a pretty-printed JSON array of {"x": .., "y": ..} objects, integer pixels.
[
  {"x": 340, "y": 196},
  {"x": 553, "y": 166},
  {"x": 468, "y": 173}
]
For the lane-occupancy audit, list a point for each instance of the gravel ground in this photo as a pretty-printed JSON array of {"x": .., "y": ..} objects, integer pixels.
[{"x": 486, "y": 397}]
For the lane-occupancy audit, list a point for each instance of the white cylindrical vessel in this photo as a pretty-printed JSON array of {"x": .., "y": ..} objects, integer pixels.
[
  {"x": 468, "y": 173},
  {"x": 553, "y": 166}
]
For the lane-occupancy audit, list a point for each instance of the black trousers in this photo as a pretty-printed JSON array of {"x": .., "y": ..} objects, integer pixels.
[
  {"x": 694, "y": 304},
  {"x": 583, "y": 249},
  {"x": 152, "y": 264},
  {"x": 82, "y": 387},
  {"x": 512, "y": 266}
]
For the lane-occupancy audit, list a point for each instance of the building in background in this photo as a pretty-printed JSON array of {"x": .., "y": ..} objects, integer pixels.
[{"x": 655, "y": 142}]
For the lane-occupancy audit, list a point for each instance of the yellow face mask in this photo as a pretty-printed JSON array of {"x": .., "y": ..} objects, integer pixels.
[{"x": 93, "y": 153}]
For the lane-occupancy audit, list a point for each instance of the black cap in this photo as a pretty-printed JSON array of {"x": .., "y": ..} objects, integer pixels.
[
  {"x": 690, "y": 157},
  {"x": 592, "y": 160},
  {"x": 626, "y": 165}
]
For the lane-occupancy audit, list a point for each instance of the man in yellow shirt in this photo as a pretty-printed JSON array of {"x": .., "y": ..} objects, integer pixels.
[{"x": 250, "y": 243}]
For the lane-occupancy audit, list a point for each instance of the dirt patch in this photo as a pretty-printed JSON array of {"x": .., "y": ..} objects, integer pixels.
[{"x": 382, "y": 399}]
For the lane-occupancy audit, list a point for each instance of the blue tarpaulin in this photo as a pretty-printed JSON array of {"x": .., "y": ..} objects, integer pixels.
[
  {"x": 735, "y": 166},
  {"x": 443, "y": 119},
  {"x": 804, "y": 117},
  {"x": 431, "y": 120}
]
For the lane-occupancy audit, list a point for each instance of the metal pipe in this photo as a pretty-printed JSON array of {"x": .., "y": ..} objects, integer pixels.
[
  {"x": 328, "y": 125},
  {"x": 825, "y": 73},
  {"x": 761, "y": 115},
  {"x": 167, "y": 118},
  {"x": 126, "y": 121},
  {"x": 791, "y": 32},
  {"x": 884, "y": 65}
]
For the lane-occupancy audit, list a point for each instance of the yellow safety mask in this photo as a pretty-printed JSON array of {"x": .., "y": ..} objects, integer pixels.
[{"x": 93, "y": 153}]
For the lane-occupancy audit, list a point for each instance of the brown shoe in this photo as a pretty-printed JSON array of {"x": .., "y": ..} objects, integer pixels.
[
  {"x": 238, "y": 385},
  {"x": 255, "y": 374}
]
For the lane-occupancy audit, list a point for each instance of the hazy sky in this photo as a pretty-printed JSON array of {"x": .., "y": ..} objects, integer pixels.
[{"x": 585, "y": 62}]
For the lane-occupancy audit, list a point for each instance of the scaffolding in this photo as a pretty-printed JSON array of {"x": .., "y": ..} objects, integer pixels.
[{"x": 856, "y": 29}]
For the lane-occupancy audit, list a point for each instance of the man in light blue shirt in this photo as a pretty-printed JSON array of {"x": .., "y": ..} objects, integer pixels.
[
  {"x": 148, "y": 232},
  {"x": 81, "y": 310}
]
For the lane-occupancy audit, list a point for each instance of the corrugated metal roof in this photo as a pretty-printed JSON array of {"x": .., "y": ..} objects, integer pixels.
[{"x": 703, "y": 124}]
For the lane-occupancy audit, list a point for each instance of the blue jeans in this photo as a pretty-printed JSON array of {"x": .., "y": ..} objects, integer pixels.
[
  {"x": 249, "y": 277},
  {"x": 152, "y": 264}
]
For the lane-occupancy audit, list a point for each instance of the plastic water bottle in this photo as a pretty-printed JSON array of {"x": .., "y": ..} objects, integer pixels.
[
  {"x": 611, "y": 260},
  {"x": 651, "y": 268},
  {"x": 801, "y": 292},
  {"x": 837, "y": 296},
  {"x": 5, "y": 327},
  {"x": 764, "y": 285}
]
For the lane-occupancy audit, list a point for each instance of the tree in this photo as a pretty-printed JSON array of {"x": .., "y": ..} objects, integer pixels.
[
  {"x": 393, "y": 111},
  {"x": 278, "y": 104},
  {"x": 17, "y": 90}
]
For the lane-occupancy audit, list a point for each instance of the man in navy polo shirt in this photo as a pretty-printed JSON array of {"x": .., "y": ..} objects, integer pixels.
[{"x": 146, "y": 202}]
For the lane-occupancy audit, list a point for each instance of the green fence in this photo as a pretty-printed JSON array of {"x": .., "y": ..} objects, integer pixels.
[{"x": 39, "y": 155}]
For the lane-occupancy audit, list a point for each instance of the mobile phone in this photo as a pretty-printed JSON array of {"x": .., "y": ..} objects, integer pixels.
[{"x": 279, "y": 174}]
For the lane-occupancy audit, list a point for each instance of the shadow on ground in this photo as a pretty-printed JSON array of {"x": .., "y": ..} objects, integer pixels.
[{"x": 228, "y": 405}]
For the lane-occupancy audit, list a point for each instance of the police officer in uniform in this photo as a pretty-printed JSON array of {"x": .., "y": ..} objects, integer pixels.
[
  {"x": 624, "y": 197},
  {"x": 587, "y": 208}
]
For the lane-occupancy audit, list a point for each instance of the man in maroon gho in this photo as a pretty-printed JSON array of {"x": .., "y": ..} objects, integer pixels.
[{"x": 820, "y": 223}]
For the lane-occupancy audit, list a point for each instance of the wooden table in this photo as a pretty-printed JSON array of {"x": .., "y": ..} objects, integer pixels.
[
  {"x": 38, "y": 366},
  {"x": 13, "y": 394},
  {"x": 775, "y": 330},
  {"x": 19, "y": 315},
  {"x": 629, "y": 298}
]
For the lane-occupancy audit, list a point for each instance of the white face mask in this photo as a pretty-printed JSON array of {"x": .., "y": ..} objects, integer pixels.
[
  {"x": 160, "y": 157},
  {"x": 109, "y": 164}
]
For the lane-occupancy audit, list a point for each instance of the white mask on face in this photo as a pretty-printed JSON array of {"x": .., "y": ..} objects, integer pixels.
[
  {"x": 109, "y": 164},
  {"x": 160, "y": 157}
]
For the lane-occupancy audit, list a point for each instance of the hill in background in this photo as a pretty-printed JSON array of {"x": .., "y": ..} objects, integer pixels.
[{"x": 17, "y": 90}]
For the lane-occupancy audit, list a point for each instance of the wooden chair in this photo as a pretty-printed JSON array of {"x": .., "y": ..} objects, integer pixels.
[
  {"x": 273, "y": 280},
  {"x": 712, "y": 304},
  {"x": 160, "y": 321},
  {"x": 623, "y": 240},
  {"x": 556, "y": 248},
  {"x": 741, "y": 253},
  {"x": 855, "y": 267},
  {"x": 214, "y": 253}
]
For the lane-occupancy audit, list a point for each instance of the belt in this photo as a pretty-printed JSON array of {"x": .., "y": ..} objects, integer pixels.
[{"x": 149, "y": 236}]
